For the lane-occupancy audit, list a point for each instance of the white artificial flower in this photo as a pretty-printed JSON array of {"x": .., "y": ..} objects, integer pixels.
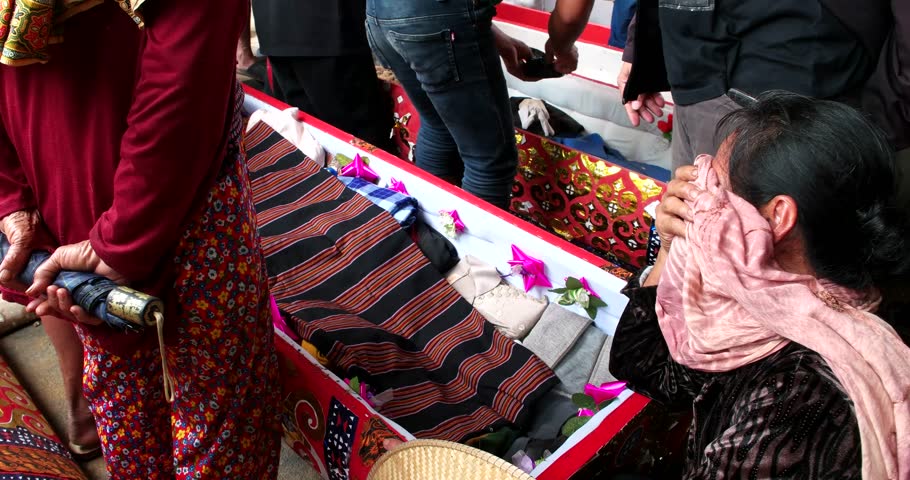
[{"x": 582, "y": 298}]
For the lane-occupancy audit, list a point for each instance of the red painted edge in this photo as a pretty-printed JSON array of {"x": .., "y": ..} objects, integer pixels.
[
  {"x": 467, "y": 197},
  {"x": 539, "y": 20},
  {"x": 576, "y": 458}
]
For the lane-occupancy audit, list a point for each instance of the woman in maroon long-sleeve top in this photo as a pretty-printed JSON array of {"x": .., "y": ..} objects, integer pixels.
[{"x": 123, "y": 142}]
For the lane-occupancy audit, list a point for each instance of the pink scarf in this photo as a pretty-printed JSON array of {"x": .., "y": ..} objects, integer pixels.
[{"x": 724, "y": 303}]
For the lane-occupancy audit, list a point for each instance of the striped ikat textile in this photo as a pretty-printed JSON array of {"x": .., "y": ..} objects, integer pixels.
[{"x": 360, "y": 291}]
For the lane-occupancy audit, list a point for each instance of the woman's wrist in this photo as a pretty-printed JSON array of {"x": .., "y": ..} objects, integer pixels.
[{"x": 653, "y": 277}]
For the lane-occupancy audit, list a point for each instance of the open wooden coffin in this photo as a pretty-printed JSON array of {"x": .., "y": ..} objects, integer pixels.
[
  {"x": 594, "y": 226},
  {"x": 630, "y": 435}
]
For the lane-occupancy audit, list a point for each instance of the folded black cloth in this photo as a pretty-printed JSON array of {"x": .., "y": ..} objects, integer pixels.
[{"x": 435, "y": 246}]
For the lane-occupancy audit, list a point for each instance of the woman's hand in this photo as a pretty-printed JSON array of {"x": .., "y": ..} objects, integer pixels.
[
  {"x": 673, "y": 213},
  {"x": 647, "y": 107},
  {"x": 79, "y": 257},
  {"x": 59, "y": 303},
  {"x": 25, "y": 232},
  {"x": 672, "y": 216}
]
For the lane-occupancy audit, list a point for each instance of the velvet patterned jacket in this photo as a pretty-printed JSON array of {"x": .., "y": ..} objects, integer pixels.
[{"x": 785, "y": 416}]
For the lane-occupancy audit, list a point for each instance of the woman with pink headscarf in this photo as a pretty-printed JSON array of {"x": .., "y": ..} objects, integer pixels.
[{"x": 759, "y": 314}]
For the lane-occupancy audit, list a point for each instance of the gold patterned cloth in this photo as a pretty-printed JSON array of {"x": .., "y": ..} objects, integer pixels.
[{"x": 28, "y": 27}]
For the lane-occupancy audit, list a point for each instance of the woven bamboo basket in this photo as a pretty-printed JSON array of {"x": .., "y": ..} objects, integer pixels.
[{"x": 439, "y": 460}]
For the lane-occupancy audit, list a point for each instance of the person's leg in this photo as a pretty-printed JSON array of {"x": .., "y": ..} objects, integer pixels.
[
  {"x": 623, "y": 11},
  {"x": 680, "y": 147},
  {"x": 288, "y": 88},
  {"x": 454, "y": 61},
  {"x": 345, "y": 92},
  {"x": 222, "y": 359},
  {"x": 435, "y": 151},
  {"x": 698, "y": 123},
  {"x": 245, "y": 56},
  {"x": 81, "y": 433},
  {"x": 479, "y": 116},
  {"x": 134, "y": 419}
]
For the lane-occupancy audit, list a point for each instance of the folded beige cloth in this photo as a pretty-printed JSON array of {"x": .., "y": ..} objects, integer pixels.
[{"x": 512, "y": 311}]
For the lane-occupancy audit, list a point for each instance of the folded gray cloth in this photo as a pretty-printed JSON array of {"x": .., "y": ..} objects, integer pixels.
[
  {"x": 555, "y": 334},
  {"x": 601, "y": 373},
  {"x": 574, "y": 371},
  {"x": 551, "y": 412}
]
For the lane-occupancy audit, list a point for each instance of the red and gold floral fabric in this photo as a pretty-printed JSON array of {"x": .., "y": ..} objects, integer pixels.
[{"x": 582, "y": 198}]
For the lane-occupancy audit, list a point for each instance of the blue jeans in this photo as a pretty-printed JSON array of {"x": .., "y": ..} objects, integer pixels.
[
  {"x": 444, "y": 55},
  {"x": 623, "y": 11}
]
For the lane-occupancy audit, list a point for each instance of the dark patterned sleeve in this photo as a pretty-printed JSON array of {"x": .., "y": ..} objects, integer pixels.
[
  {"x": 789, "y": 420},
  {"x": 640, "y": 355}
]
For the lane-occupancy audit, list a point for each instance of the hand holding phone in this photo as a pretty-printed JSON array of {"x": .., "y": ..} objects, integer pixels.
[{"x": 538, "y": 67}]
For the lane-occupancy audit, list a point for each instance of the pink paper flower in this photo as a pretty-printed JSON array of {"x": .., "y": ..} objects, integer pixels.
[
  {"x": 606, "y": 391},
  {"x": 584, "y": 284},
  {"x": 532, "y": 269},
  {"x": 398, "y": 186},
  {"x": 357, "y": 168},
  {"x": 451, "y": 223}
]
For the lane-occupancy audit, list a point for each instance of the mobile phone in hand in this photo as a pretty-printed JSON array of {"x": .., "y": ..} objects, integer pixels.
[{"x": 538, "y": 67}]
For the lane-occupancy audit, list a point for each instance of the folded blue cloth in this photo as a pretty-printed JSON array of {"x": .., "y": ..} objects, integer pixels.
[{"x": 402, "y": 207}]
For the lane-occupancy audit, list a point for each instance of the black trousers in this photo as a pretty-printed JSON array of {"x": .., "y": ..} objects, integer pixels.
[{"x": 342, "y": 91}]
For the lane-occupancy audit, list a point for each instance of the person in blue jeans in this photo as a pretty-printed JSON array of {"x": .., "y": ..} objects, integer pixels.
[
  {"x": 623, "y": 11},
  {"x": 446, "y": 55}
]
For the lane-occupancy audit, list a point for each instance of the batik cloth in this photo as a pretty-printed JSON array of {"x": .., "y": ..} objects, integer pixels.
[
  {"x": 224, "y": 421},
  {"x": 400, "y": 206},
  {"x": 29, "y": 449},
  {"x": 360, "y": 290},
  {"x": 27, "y": 27}
]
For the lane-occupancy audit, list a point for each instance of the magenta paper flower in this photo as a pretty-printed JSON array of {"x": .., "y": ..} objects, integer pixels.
[
  {"x": 532, "y": 269},
  {"x": 606, "y": 391},
  {"x": 398, "y": 186},
  {"x": 357, "y": 168},
  {"x": 584, "y": 284},
  {"x": 451, "y": 223}
]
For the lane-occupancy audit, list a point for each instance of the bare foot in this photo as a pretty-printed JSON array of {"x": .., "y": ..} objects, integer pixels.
[{"x": 82, "y": 430}]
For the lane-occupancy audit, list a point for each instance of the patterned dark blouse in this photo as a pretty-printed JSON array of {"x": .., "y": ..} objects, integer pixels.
[{"x": 785, "y": 416}]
